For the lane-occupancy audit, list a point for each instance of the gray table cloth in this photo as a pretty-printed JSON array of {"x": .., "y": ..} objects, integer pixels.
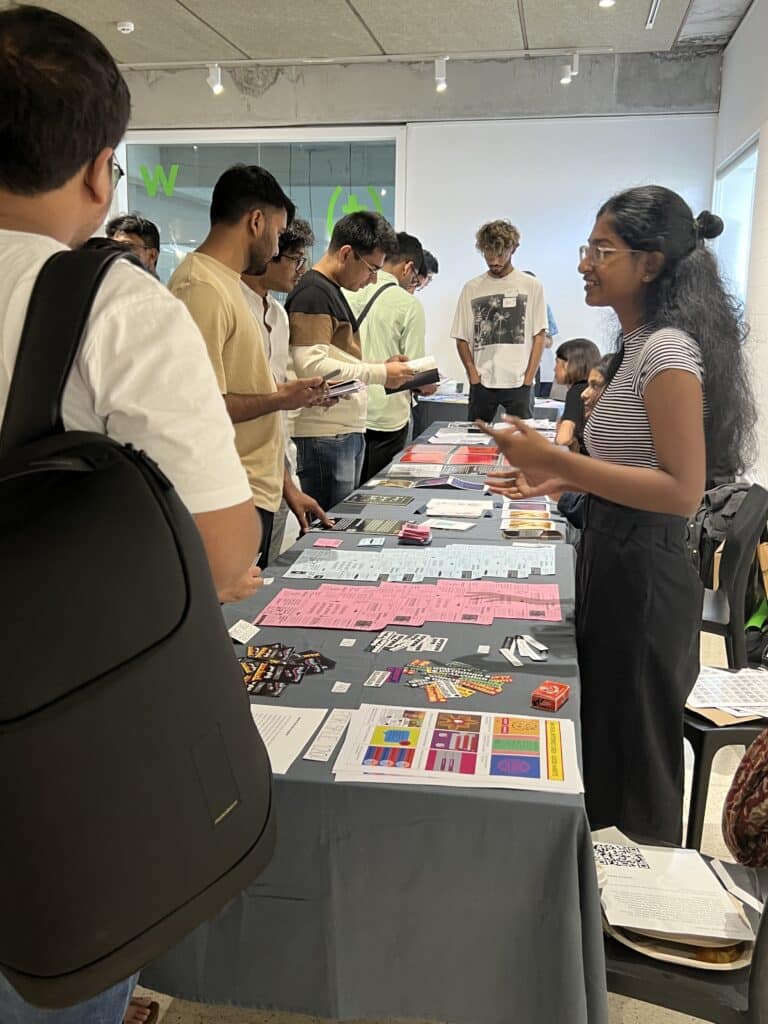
[
  {"x": 430, "y": 411},
  {"x": 462, "y": 905}
]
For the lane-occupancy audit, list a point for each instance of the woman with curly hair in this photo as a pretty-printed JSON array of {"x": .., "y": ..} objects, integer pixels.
[{"x": 677, "y": 411}]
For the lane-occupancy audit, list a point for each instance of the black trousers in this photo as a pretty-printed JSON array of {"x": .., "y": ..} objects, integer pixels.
[
  {"x": 638, "y": 615},
  {"x": 483, "y": 402},
  {"x": 267, "y": 521},
  {"x": 381, "y": 446}
]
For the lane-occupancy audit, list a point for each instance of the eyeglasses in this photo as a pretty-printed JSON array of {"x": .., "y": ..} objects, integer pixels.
[
  {"x": 117, "y": 171},
  {"x": 373, "y": 270},
  {"x": 300, "y": 261},
  {"x": 596, "y": 254}
]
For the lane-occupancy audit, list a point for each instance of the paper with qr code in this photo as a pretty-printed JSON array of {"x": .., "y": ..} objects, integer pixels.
[
  {"x": 449, "y": 748},
  {"x": 665, "y": 893}
]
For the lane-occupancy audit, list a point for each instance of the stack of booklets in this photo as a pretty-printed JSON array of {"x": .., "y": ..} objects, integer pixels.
[
  {"x": 531, "y": 519},
  {"x": 670, "y": 904},
  {"x": 415, "y": 533}
]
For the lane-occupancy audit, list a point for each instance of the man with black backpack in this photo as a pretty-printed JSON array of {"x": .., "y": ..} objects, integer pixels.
[{"x": 141, "y": 375}]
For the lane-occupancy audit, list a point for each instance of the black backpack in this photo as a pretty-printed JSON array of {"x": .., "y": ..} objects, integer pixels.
[
  {"x": 135, "y": 791},
  {"x": 709, "y": 527}
]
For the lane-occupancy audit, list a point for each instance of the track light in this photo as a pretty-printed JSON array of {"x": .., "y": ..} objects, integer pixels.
[
  {"x": 441, "y": 79},
  {"x": 569, "y": 71},
  {"x": 214, "y": 79}
]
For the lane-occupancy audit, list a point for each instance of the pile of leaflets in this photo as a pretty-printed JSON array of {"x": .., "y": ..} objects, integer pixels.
[
  {"x": 671, "y": 905},
  {"x": 268, "y": 668},
  {"x": 447, "y": 682}
]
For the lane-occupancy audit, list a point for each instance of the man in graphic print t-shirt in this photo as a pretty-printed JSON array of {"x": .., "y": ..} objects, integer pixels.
[{"x": 499, "y": 327}]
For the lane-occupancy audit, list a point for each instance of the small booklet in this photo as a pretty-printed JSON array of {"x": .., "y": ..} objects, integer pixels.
[
  {"x": 426, "y": 374},
  {"x": 345, "y": 387}
]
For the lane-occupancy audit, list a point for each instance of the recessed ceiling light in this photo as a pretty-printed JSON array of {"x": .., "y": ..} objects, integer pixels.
[
  {"x": 125, "y": 27},
  {"x": 606, "y": 3},
  {"x": 653, "y": 10}
]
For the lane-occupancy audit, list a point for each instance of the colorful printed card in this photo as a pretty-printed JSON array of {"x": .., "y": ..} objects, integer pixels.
[{"x": 454, "y": 748}]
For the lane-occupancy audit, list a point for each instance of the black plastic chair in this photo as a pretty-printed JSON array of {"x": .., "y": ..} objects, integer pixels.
[
  {"x": 723, "y": 612},
  {"x": 723, "y": 997},
  {"x": 724, "y": 615}
]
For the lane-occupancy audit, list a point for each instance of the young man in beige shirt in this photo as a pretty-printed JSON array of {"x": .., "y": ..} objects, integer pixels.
[{"x": 248, "y": 211}]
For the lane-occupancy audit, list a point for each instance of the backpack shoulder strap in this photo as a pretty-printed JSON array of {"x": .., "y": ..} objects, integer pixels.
[
  {"x": 367, "y": 307},
  {"x": 57, "y": 313}
]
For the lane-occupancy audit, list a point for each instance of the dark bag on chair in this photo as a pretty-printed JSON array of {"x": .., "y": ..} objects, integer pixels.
[{"x": 135, "y": 791}]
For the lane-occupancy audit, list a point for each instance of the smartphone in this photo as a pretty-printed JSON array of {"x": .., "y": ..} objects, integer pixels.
[{"x": 333, "y": 373}]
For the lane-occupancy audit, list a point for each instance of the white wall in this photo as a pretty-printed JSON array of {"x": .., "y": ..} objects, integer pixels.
[
  {"x": 743, "y": 115},
  {"x": 548, "y": 177},
  {"x": 744, "y": 89}
]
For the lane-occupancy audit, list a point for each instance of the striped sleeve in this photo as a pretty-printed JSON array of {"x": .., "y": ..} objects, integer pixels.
[{"x": 667, "y": 349}]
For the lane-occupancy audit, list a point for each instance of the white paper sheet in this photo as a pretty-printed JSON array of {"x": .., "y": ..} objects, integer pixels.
[
  {"x": 663, "y": 891},
  {"x": 411, "y": 565},
  {"x": 717, "y": 688},
  {"x": 449, "y": 508},
  {"x": 286, "y": 731},
  {"x": 481, "y": 750}
]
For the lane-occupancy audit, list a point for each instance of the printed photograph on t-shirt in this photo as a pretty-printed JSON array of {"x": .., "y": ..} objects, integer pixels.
[{"x": 499, "y": 319}]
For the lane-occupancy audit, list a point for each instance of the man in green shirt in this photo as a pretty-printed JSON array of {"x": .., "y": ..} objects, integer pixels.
[{"x": 393, "y": 325}]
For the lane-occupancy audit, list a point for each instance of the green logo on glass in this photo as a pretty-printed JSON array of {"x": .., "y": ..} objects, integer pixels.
[
  {"x": 352, "y": 205},
  {"x": 157, "y": 177}
]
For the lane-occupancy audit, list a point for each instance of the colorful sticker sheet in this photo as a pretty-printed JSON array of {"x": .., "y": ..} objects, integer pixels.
[
  {"x": 479, "y": 602},
  {"x": 457, "y": 748}
]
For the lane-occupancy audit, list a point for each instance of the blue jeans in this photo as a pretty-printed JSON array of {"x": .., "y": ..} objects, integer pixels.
[
  {"x": 330, "y": 467},
  {"x": 107, "y": 1008}
]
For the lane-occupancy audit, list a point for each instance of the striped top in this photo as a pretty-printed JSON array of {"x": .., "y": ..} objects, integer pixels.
[{"x": 618, "y": 429}]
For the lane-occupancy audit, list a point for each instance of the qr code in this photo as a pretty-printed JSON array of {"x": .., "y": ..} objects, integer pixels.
[{"x": 615, "y": 856}]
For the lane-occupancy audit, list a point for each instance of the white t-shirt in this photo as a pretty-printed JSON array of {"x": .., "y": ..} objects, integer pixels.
[
  {"x": 142, "y": 375},
  {"x": 499, "y": 317}
]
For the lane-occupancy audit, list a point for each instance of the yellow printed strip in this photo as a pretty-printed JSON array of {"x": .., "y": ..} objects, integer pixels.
[{"x": 554, "y": 752}]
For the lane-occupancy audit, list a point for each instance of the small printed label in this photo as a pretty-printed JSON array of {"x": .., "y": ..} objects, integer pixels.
[
  {"x": 331, "y": 732},
  {"x": 377, "y": 678},
  {"x": 348, "y": 641},
  {"x": 340, "y": 687},
  {"x": 483, "y": 649},
  {"x": 242, "y": 631}
]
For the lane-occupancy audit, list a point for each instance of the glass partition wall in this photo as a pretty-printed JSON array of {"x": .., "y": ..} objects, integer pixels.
[{"x": 170, "y": 176}]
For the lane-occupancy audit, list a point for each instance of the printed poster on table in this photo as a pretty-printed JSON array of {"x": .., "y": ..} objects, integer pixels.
[{"x": 459, "y": 748}]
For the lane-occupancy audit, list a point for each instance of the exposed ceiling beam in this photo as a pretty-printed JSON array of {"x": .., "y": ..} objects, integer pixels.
[{"x": 389, "y": 58}]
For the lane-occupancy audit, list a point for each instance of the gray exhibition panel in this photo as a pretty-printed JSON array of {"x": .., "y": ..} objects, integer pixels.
[{"x": 462, "y": 905}]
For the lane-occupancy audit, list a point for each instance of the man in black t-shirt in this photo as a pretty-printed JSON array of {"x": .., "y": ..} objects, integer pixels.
[{"x": 330, "y": 442}]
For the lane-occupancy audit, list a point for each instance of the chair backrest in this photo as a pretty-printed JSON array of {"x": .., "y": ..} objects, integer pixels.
[
  {"x": 757, "y": 1012},
  {"x": 738, "y": 554}
]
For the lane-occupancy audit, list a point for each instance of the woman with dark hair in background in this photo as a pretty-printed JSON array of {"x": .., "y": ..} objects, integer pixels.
[
  {"x": 676, "y": 412},
  {"x": 596, "y": 380},
  {"x": 573, "y": 361}
]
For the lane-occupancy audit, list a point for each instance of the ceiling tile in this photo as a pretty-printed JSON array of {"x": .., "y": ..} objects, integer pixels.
[
  {"x": 163, "y": 32},
  {"x": 714, "y": 20},
  {"x": 301, "y": 28},
  {"x": 581, "y": 24},
  {"x": 443, "y": 26}
]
